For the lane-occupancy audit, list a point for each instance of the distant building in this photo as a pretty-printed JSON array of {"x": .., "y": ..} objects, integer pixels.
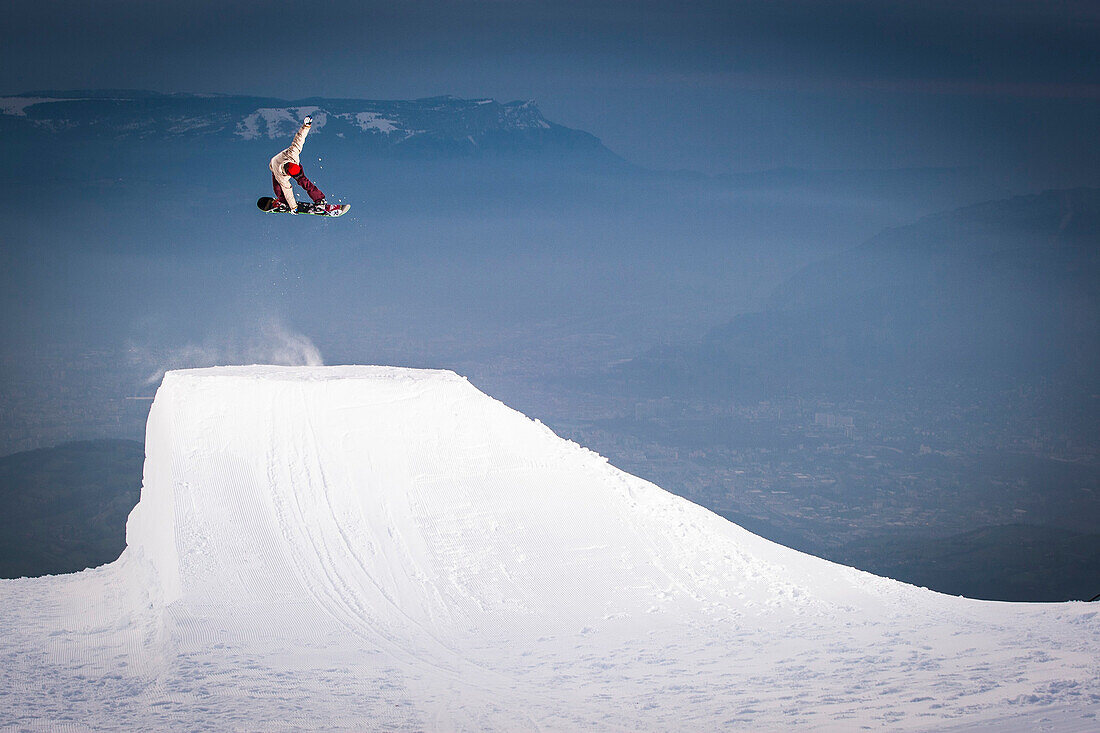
[{"x": 829, "y": 420}]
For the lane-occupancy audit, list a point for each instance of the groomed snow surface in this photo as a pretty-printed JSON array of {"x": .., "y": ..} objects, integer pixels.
[{"x": 369, "y": 548}]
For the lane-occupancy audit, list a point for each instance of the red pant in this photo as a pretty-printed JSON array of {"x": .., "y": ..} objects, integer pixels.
[{"x": 305, "y": 183}]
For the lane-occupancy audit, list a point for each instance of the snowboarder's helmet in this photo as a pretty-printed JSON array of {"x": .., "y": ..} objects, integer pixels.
[{"x": 293, "y": 169}]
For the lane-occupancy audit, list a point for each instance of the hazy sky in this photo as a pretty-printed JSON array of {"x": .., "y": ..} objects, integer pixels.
[{"x": 716, "y": 86}]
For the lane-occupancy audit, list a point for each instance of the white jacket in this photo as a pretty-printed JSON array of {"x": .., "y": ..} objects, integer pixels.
[{"x": 290, "y": 155}]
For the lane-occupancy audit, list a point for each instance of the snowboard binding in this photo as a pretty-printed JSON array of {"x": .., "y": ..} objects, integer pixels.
[{"x": 272, "y": 206}]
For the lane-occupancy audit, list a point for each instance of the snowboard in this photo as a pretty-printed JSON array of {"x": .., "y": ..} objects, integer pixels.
[{"x": 270, "y": 206}]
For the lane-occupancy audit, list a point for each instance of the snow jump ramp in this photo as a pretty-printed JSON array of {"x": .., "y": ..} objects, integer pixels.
[{"x": 363, "y": 548}]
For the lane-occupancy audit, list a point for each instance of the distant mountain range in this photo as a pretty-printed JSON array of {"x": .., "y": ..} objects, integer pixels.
[
  {"x": 438, "y": 125},
  {"x": 994, "y": 292}
]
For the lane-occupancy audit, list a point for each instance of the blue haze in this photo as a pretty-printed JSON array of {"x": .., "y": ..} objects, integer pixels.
[{"x": 677, "y": 275}]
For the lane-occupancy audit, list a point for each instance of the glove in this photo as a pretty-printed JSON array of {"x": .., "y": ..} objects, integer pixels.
[{"x": 308, "y": 120}]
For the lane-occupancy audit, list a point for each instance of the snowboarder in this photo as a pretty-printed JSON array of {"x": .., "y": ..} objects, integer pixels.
[{"x": 287, "y": 165}]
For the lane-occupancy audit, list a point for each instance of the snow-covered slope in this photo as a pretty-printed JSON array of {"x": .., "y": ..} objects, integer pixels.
[{"x": 364, "y": 547}]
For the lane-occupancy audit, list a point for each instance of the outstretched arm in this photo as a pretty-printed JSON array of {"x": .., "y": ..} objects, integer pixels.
[{"x": 300, "y": 138}]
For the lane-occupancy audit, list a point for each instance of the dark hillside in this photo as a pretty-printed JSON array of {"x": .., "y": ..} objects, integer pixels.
[{"x": 64, "y": 509}]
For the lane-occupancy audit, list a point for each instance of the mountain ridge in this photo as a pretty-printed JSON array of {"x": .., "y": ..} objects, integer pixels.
[
  {"x": 926, "y": 299},
  {"x": 441, "y": 124}
]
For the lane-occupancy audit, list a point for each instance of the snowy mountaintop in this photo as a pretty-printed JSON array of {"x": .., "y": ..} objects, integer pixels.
[
  {"x": 17, "y": 106},
  {"x": 435, "y": 124}
]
